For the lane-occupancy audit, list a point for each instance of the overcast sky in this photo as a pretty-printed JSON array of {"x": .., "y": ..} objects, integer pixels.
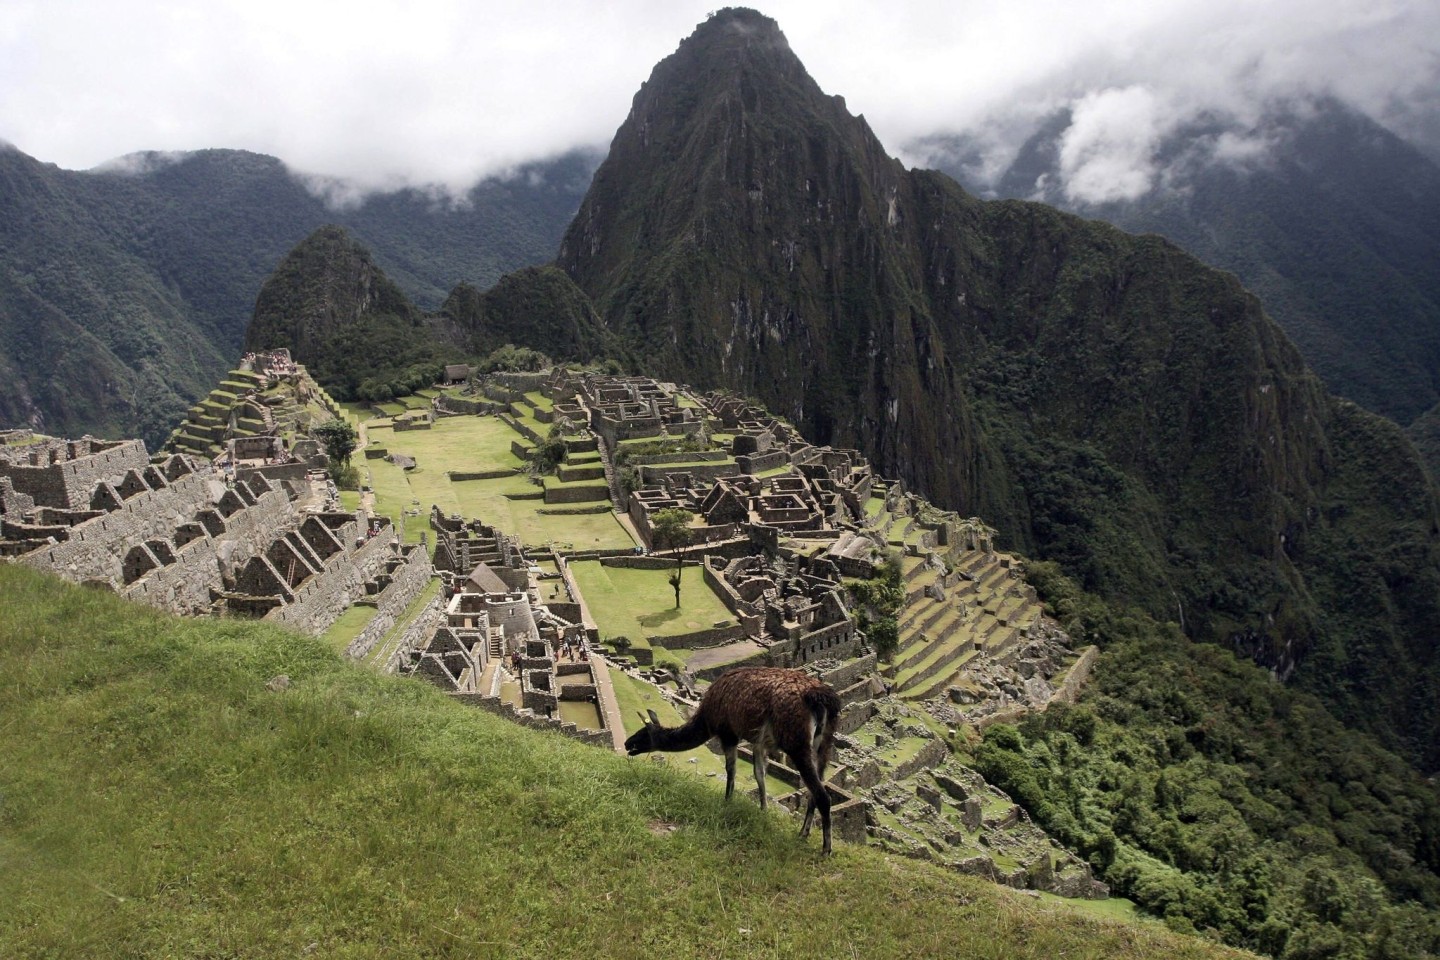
[{"x": 447, "y": 91}]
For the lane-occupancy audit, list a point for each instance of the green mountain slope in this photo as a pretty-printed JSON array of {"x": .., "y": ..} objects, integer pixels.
[
  {"x": 538, "y": 307},
  {"x": 1336, "y": 228},
  {"x": 147, "y": 270},
  {"x": 336, "y": 311},
  {"x": 159, "y": 799},
  {"x": 1103, "y": 399}
]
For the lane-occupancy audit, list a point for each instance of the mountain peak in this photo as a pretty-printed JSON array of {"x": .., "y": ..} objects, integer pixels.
[{"x": 737, "y": 23}]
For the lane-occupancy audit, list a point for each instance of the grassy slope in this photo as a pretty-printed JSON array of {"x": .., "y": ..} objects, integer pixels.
[{"x": 159, "y": 800}]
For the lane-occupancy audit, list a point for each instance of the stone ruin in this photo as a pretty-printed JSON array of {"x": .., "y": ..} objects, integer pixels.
[
  {"x": 499, "y": 648},
  {"x": 179, "y": 535}
]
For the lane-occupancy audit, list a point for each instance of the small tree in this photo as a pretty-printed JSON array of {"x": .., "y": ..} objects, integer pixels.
[
  {"x": 339, "y": 439},
  {"x": 671, "y": 528}
]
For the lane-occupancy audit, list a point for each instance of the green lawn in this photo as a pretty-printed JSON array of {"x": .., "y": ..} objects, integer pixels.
[
  {"x": 473, "y": 445},
  {"x": 641, "y": 603}
]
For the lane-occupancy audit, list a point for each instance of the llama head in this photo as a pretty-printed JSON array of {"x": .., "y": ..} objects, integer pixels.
[{"x": 643, "y": 740}]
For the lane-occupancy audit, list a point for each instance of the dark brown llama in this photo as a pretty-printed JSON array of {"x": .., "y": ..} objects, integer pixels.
[{"x": 769, "y": 707}]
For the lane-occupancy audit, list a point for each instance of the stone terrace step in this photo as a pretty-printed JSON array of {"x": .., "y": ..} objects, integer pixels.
[
  {"x": 919, "y": 652},
  {"x": 916, "y": 586},
  {"x": 942, "y": 680},
  {"x": 912, "y": 567},
  {"x": 992, "y": 579},
  {"x": 952, "y": 645},
  {"x": 914, "y": 610}
]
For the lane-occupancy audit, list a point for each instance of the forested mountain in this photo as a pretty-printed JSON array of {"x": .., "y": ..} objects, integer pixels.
[
  {"x": 332, "y": 306},
  {"x": 125, "y": 291},
  {"x": 1105, "y": 400},
  {"x": 1334, "y": 222}
]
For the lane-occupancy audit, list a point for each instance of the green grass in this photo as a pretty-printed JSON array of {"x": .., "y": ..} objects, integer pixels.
[
  {"x": 343, "y": 631},
  {"x": 160, "y": 801},
  {"x": 473, "y": 445},
  {"x": 641, "y": 603}
]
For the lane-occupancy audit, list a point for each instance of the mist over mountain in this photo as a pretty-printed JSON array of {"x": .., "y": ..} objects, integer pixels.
[
  {"x": 1333, "y": 221},
  {"x": 125, "y": 291}
]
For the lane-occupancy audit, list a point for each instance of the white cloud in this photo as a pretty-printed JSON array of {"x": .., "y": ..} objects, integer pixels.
[
  {"x": 385, "y": 93},
  {"x": 1108, "y": 151}
]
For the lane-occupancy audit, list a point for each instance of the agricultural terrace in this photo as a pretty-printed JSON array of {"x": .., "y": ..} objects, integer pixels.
[{"x": 473, "y": 445}]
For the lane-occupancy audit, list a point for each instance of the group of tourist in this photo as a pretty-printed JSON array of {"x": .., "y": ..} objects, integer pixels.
[{"x": 565, "y": 649}]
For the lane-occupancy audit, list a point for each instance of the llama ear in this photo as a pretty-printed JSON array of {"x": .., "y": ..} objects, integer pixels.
[
  {"x": 643, "y": 721},
  {"x": 653, "y": 718}
]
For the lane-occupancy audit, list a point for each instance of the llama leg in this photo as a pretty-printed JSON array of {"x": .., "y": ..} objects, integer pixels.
[
  {"x": 729, "y": 746},
  {"x": 760, "y": 760},
  {"x": 819, "y": 797}
]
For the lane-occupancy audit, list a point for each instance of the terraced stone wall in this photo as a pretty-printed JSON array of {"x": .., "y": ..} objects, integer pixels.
[
  {"x": 63, "y": 474},
  {"x": 407, "y": 582},
  {"x": 321, "y": 598}
]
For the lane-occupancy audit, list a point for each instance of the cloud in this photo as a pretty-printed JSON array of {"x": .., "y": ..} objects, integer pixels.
[
  {"x": 1108, "y": 151},
  {"x": 1189, "y": 67},
  {"x": 383, "y": 93}
]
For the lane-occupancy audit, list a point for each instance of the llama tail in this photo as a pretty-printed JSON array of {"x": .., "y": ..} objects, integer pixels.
[{"x": 824, "y": 705}]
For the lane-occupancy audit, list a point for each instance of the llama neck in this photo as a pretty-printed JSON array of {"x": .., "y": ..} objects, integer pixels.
[{"x": 675, "y": 739}]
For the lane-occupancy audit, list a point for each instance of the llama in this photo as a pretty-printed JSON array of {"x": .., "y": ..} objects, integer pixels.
[{"x": 769, "y": 707}]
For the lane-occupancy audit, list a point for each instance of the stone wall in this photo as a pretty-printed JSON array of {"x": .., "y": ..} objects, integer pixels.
[
  {"x": 713, "y": 637},
  {"x": 1075, "y": 679},
  {"x": 274, "y": 472},
  {"x": 184, "y": 585},
  {"x": 67, "y": 472},
  {"x": 426, "y": 622},
  {"x": 760, "y": 462},
  {"x": 837, "y": 640},
  {"x": 651, "y": 475},
  {"x": 659, "y": 459},
  {"x": 732, "y": 600},
  {"x": 450, "y": 405},
  {"x": 520, "y": 428},
  {"x": 929, "y": 756},
  {"x": 848, "y": 673},
  {"x": 635, "y": 562},
  {"x": 479, "y": 474},
  {"x": 96, "y": 549},
  {"x": 586, "y": 494},
  {"x": 406, "y": 583},
  {"x": 323, "y": 596},
  {"x": 526, "y": 717}
]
